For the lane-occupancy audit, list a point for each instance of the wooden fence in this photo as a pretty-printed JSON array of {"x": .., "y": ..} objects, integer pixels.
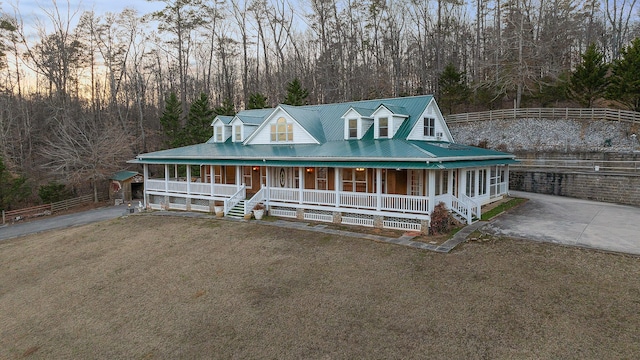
[
  {"x": 42, "y": 210},
  {"x": 548, "y": 113}
]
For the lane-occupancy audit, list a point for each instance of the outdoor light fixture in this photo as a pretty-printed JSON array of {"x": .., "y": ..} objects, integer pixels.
[
  {"x": 309, "y": 170},
  {"x": 359, "y": 169},
  {"x": 255, "y": 168}
]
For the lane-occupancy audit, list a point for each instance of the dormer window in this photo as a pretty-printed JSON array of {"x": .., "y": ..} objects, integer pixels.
[
  {"x": 429, "y": 127},
  {"x": 281, "y": 131},
  {"x": 353, "y": 128},
  {"x": 218, "y": 130},
  {"x": 383, "y": 127},
  {"x": 238, "y": 133}
]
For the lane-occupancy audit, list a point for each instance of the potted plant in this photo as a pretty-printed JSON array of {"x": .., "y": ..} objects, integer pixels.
[
  {"x": 219, "y": 209},
  {"x": 258, "y": 211}
]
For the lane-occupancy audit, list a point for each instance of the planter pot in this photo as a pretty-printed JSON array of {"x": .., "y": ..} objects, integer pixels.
[
  {"x": 258, "y": 214},
  {"x": 218, "y": 209},
  {"x": 247, "y": 216},
  {"x": 219, "y": 214}
]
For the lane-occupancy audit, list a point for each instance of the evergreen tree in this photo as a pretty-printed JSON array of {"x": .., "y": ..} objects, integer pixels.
[
  {"x": 625, "y": 80},
  {"x": 227, "y": 108},
  {"x": 257, "y": 101},
  {"x": 296, "y": 94},
  {"x": 13, "y": 190},
  {"x": 588, "y": 81},
  {"x": 198, "y": 129},
  {"x": 170, "y": 121},
  {"x": 453, "y": 89}
]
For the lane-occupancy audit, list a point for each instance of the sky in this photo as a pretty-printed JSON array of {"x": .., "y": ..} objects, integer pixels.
[{"x": 31, "y": 8}]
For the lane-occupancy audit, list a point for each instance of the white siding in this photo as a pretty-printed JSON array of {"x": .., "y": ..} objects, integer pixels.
[
  {"x": 300, "y": 135},
  {"x": 417, "y": 133}
]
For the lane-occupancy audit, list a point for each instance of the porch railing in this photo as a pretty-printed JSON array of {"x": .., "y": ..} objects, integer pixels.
[
  {"x": 195, "y": 188},
  {"x": 392, "y": 202}
]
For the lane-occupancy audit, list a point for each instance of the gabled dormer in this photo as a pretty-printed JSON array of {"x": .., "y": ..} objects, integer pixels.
[
  {"x": 221, "y": 128},
  {"x": 242, "y": 127},
  {"x": 287, "y": 125},
  {"x": 430, "y": 125},
  {"x": 356, "y": 122},
  {"x": 387, "y": 119}
]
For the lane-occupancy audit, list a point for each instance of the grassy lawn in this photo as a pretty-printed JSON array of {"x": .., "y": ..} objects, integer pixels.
[
  {"x": 152, "y": 287},
  {"x": 502, "y": 207}
]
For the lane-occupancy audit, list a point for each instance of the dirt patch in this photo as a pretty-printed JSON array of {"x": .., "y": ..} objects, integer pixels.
[{"x": 172, "y": 287}]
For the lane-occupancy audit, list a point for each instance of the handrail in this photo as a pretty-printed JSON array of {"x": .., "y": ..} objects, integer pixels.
[
  {"x": 548, "y": 113},
  {"x": 234, "y": 199},
  {"x": 258, "y": 197},
  {"x": 473, "y": 206}
]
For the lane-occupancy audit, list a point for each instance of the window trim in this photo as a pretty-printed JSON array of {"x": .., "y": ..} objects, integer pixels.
[
  {"x": 386, "y": 127},
  {"x": 428, "y": 126},
  {"x": 350, "y": 135},
  {"x": 238, "y": 133},
  {"x": 281, "y": 131}
]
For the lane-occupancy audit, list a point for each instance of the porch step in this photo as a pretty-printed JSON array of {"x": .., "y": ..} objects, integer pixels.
[
  {"x": 237, "y": 212},
  {"x": 461, "y": 219}
]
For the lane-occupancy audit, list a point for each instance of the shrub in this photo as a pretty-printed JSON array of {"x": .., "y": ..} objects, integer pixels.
[
  {"x": 440, "y": 220},
  {"x": 53, "y": 192}
]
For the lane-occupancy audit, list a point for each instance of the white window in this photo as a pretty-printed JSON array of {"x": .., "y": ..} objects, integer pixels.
[
  {"x": 238, "y": 135},
  {"x": 354, "y": 180},
  {"x": 281, "y": 131},
  {"x": 353, "y": 128},
  {"x": 246, "y": 176},
  {"x": 218, "y": 130},
  {"x": 321, "y": 178},
  {"x": 429, "y": 127},
  {"x": 471, "y": 183},
  {"x": 383, "y": 127},
  {"x": 482, "y": 181}
]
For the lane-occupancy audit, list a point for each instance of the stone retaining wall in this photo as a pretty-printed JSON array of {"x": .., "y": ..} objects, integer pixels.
[{"x": 616, "y": 188}]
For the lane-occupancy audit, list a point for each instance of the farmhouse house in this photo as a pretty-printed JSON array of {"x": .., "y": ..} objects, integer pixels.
[{"x": 383, "y": 163}]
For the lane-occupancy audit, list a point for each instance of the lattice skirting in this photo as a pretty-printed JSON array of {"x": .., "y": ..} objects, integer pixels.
[
  {"x": 283, "y": 212},
  {"x": 319, "y": 215},
  {"x": 401, "y": 223},
  {"x": 357, "y": 219}
]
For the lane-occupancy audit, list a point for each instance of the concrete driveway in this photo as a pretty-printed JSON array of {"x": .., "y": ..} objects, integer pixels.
[
  {"x": 570, "y": 221},
  {"x": 62, "y": 221}
]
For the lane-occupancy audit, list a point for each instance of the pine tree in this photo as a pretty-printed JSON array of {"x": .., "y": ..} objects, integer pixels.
[
  {"x": 588, "y": 81},
  {"x": 227, "y": 108},
  {"x": 170, "y": 121},
  {"x": 257, "y": 101},
  {"x": 296, "y": 95},
  {"x": 625, "y": 80},
  {"x": 198, "y": 129},
  {"x": 453, "y": 89},
  {"x": 13, "y": 190}
]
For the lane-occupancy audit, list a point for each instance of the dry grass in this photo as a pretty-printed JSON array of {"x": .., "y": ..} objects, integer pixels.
[{"x": 169, "y": 287}]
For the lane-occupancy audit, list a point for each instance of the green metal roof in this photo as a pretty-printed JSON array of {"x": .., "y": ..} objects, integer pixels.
[
  {"x": 325, "y": 124},
  {"x": 123, "y": 175}
]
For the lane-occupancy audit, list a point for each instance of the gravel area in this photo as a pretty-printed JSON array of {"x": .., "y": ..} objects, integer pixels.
[{"x": 548, "y": 135}]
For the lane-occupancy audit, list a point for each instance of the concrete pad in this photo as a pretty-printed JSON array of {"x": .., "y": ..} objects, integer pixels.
[{"x": 570, "y": 221}]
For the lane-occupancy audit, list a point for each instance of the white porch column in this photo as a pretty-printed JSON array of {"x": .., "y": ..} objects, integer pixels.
[
  {"x": 188, "y": 180},
  {"x": 212, "y": 177},
  {"x": 432, "y": 190},
  {"x": 166, "y": 177},
  {"x": 175, "y": 171},
  {"x": 487, "y": 181},
  {"x": 300, "y": 183},
  {"x": 476, "y": 183},
  {"x": 267, "y": 194},
  {"x": 378, "y": 189},
  {"x": 462, "y": 183},
  {"x": 238, "y": 177},
  {"x": 145, "y": 177},
  {"x": 506, "y": 179},
  {"x": 336, "y": 181},
  {"x": 450, "y": 176}
]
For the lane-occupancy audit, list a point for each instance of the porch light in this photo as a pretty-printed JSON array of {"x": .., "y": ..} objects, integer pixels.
[
  {"x": 309, "y": 170},
  {"x": 359, "y": 169},
  {"x": 255, "y": 168}
]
